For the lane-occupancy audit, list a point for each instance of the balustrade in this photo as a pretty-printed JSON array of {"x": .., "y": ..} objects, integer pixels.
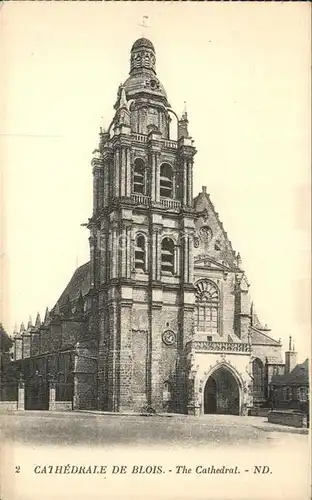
[
  {"x": 174, "y": 204},
  {"x": 205, "y": 345}
]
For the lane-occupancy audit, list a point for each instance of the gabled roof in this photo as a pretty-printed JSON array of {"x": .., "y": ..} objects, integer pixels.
[
  {"x": 79, "y": 282},
  {"x": 205, "y": 261},
  {"x": 206, "y": 196},
  {"x": 298, "y": 376},
  {"x": 207, "y": 217},
  {"x": 261, "y": 338}
]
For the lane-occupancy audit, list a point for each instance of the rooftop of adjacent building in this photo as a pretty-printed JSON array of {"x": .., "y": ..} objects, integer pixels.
[{"x": 299, "y": 375}]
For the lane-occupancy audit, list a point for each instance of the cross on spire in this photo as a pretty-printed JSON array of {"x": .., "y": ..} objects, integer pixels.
[{"x": 143, "y": 24}]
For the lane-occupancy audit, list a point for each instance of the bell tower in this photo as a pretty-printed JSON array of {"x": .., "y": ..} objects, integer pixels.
[{"x": 141, "y": 245}]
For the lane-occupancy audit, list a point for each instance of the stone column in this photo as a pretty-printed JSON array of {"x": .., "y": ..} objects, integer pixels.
[
  {"x": 101, "y": 189},
  {"x": 92, "y": 242},
  {"x": 128, "y": 173},
  {"x": 157, "y": 177},
  {"x": 158, "y": 255},
  {"x": 105, "y": 184},
  {"x": 125, "y": 356},
  {"x": 128, "y": 251},
  {"x": 191, "y": 258},
  {"x": 189, "y": 183},
  {"x": 153, "y": 179},
  {"x": 123, "y": 160},
  {"x": 184, "y": 182},
  {"x": 117, "y": 173},
  {"x": 114, "y": 258},
  {"x": 52, "y": 395},
  {"x": 186, "y": 258},
  {"x": 95, "y": 189},
  {"x": 122, "y": 244},
  {"x": 154, "y": 351},
  {"x": 21, "y": 394},
  {"x": 103, "y": 256}
]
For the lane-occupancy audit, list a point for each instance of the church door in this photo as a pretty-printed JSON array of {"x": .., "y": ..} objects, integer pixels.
[
  {"x": 221, "y": 393},
  {"x": 210, "y": 396}
]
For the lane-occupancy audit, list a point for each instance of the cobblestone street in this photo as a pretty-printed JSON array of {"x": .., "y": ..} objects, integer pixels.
[
  {"x": 35, "y": 442},
  {"x": 72, "y": 428}
]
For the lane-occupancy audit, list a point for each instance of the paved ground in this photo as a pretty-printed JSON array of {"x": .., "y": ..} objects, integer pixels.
[{"x": 75, "y": 428}]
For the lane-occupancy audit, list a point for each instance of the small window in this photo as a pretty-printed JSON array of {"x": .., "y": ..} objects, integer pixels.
[
  {"x": 167, "y": 256},
  {"x": 166, "y": 180},
  {"x": 139, "y": 254},
  {"x": 209, "y": 338},
  {"x": 166, "y": 392},
  {"x": 302, "y": 394},
  {"x": 139, "y": 176}
]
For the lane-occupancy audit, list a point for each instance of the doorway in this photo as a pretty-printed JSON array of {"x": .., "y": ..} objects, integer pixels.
[
  {"x": 221, "y": 393},
  {"x": 36, "y": 393}
]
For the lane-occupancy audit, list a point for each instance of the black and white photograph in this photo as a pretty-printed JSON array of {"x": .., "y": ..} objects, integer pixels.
[{"x": 155, "y": 250}]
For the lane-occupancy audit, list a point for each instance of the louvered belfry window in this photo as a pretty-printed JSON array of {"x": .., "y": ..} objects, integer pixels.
[
  {"x": 167, "y": 256},
  {"x": 139, "y": 253},
  {"x": 207, "y": 306},
  {"x": 139, "y": 176},
  {"x": 166, "y": 180}
]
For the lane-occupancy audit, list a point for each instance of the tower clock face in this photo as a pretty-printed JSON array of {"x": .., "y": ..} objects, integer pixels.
[{"x": 169, "y": 337}]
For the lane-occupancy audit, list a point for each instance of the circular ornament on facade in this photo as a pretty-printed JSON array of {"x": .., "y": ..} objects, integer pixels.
[{"x": 169, "y": 337}]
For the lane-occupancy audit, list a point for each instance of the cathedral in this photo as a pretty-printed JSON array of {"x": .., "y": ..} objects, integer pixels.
[{"x": 161, "y": 316}]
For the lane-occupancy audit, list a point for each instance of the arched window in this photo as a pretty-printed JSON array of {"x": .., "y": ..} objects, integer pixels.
[
  {"x": 167, "y": 256},
  {"x": 139, "y": 253},
  {"x": 207, "y": 306},
  {"x": 258, "y": 377},
  {"x": 139, "y": 176},
  {"x": 166, "y": 180}
]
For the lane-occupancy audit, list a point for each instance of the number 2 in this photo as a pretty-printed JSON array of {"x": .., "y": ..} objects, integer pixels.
[{"x": 17, "y": 469}]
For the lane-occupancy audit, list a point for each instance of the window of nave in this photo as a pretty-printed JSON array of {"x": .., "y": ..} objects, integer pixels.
[
  {"x": 258, "y": 376},
  {"x": 139, "y": 176},
  {"x": 166, "y": 180},
  {"x": 167, "y": 256},
  {"x": 207, "y": 300}
]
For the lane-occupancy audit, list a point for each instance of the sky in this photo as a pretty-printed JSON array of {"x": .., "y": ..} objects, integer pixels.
[{"x": 244, "y": 71}]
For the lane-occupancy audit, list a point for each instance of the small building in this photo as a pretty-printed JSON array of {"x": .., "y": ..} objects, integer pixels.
[{"x": 291, "y": 389}]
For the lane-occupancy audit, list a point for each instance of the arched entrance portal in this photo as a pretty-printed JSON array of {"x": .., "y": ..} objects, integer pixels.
[{"x": 221, "y": 393}]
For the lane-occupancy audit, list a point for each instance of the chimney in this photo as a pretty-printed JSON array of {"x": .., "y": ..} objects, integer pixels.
[{"x": 290, "y": 358}]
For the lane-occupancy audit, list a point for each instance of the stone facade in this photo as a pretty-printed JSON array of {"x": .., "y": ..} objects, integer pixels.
[{"x": 163, "y": 306}]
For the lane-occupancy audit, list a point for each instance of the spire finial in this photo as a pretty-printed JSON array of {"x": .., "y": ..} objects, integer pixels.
[
  {"x": 29, "y": 325},
  {"x": 56, "y": 310},
  {"x": 38, "y": 321},
  {"x": 47, "y": 316},
  {"x": 239, "y": 260},
  {"x": 289, "y": 346},
  {"x": 143, "y": 25},
  {"x": 184, "y": 114},
  {"x": 123, "y": 99}
]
